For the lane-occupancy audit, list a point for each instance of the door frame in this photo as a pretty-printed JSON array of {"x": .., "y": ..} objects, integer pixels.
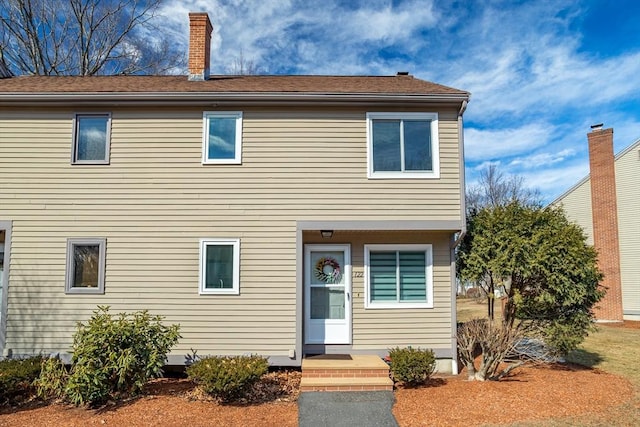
[{"x": 308, "y": 248}]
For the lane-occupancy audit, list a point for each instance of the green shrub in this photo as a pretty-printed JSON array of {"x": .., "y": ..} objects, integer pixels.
[
  {"x": 16, "y": 377},
  {"x": 227, "y": 377},
  {"x": 52, "y": 380},
  {"x": 114, "y": 356},
  {"x": 412, "y": 366}
]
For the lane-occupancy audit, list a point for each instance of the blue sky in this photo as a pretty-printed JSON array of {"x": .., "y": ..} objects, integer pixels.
[{"x": 540, "y": 72}]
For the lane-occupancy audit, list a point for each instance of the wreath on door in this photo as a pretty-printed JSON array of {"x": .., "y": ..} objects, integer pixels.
[{"x": 328, "y": 270}]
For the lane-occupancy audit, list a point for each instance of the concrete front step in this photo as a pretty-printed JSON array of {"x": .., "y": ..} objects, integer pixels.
[{"x": 354, "y": 373}]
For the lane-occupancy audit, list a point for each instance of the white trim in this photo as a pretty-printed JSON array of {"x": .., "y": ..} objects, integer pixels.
[
  {"x": 206, "y": 116},
  {"x": 235, "y": 289},
  {"x": 435, "y": 147},
  {"x": 428, "y": 249},
  {"x": 74, "y": 142},
  {"x": 70, "y": 268},
  {"x": 4, "y": 298}
]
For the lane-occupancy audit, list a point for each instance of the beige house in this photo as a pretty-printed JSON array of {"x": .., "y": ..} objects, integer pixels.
[
  {"x": 606, "y": 204},
  {"x": 279, "y": 215}
]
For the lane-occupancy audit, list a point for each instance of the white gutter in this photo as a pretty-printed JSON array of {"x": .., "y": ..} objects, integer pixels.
[{"x": 246, "y": 98}]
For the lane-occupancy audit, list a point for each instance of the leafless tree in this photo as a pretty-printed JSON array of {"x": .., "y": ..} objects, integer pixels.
[
  {"x": 242, "y": 66},
  {"x": 495, "y": 343},
  {"x": 84, "y": 37},
  {"x": 494, "y": 188}
]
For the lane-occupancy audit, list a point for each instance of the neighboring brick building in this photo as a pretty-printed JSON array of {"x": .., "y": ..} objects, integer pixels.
[{"x": 607, "y": 206}]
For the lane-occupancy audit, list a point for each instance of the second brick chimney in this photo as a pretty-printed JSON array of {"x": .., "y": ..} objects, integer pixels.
[
  {"x": 200, "y": 29},
  {"x": 604, "y": 207}
]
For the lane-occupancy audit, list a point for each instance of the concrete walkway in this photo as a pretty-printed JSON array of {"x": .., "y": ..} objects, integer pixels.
[{"x": 348, "y": 409}]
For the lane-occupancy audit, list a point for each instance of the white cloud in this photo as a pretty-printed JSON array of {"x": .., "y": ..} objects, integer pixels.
[
  {"x": 541, "y": 159},
  {"x": 488, "y": 144}
]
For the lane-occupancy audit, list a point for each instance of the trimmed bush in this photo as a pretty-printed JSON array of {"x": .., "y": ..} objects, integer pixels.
[
  {"x": 412, "y": 366},
  {"x": 16, "y": 378},
  {"x": 114, "y": 356},
  {"x": 227, "y": 377}
]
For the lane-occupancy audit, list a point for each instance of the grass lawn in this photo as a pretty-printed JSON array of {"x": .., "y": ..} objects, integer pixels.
[{"x": 611, "y": 348}]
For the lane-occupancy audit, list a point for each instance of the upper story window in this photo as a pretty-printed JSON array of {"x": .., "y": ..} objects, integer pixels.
[
  {"x": 85, "y": 266},
  {"x": 403, "y": 145},
  {"x": 91, "y": 139},
  {"x": 222, "y": 137}
]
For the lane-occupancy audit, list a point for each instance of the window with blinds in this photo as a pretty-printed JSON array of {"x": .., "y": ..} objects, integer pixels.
[{"x": 398, "y": 275}]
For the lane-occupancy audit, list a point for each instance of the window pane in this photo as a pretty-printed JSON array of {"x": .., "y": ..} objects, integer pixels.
[
  {"x": 85, "y": 266},
  {"x": 91, "y": 138},
  {"x": 222, "y": 138},
  {"x": 219, "y": 267},
  {"x": 417, "y": 145},
  {"x": 413, "y": 276},
  {"x": 327, "y": 302},
  {"x": 386, "y": 145},
  {"x": 382, "y": 276}
]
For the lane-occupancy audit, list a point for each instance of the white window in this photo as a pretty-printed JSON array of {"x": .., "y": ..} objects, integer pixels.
[
  {"x": 403, "y": 145},
  {"x": 398, "y": 276},
  {"x": 222, "y": 137},
  {"x": 85, "y": 266},
  {"x": 220, "y": 266},
  {"x": 91, "y": 139}
]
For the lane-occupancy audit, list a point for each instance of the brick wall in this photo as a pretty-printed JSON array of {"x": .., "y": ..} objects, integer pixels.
[
  {"x": 605, "y": 221},
  {"x": 200, "y": 29}
]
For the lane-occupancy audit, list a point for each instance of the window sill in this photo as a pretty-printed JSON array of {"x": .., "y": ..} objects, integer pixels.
[
  {"x": 220, "y": 292},
  {"x": 84, "y": 291},
  {"x": 223, "y": 162},
  {"x": 397, "y": 305},
  {"x": 403, "y": 175}
]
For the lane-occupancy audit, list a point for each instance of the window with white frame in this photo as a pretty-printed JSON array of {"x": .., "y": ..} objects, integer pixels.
[
  {"x": 91, "y": 138},
  {"x": 85, "y": 266},
  {"x": 403, "y": 145},
  {"x": 398, "y": 276},
  {"x": 222, "y": 137},
  {"x": 220, "y": 266}
]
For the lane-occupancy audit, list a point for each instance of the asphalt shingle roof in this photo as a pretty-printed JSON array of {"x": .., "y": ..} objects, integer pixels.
[{"x": 403, "y": 85}]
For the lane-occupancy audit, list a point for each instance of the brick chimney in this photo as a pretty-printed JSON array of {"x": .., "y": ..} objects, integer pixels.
[
  {"x": 200, "y": 29},
  {"x": 604, "y": 208}
]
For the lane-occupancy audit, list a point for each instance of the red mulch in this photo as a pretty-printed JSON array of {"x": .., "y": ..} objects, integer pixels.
[{"x": 533, "y": 393}]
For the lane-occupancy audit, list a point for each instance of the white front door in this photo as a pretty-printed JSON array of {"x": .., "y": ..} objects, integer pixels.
[{"x": 327, "y": 289}]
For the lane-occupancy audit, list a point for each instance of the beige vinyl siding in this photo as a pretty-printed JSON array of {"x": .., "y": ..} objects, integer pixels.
[
  {"x": 628, "y": 191},
  {"x": 156, "y": 200},
  {"x": 376, "y": 329},
  {"x": 577, "y": 206}
]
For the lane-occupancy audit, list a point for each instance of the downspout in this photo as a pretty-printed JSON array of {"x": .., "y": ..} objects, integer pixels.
[{"x": 456, "y": 242}]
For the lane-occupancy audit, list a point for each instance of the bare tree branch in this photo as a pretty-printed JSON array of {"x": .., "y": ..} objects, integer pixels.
[
  {"x": 84, "y": 37},
  {"x": 242, "y": 66},
  {"x": 494, "y": 188}
]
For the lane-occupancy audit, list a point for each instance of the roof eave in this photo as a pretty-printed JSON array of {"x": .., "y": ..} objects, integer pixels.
[{"x": 226, "y": 98}]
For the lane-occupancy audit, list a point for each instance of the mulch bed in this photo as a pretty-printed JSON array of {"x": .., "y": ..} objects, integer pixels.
[{"x": 533, "y": 393}]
